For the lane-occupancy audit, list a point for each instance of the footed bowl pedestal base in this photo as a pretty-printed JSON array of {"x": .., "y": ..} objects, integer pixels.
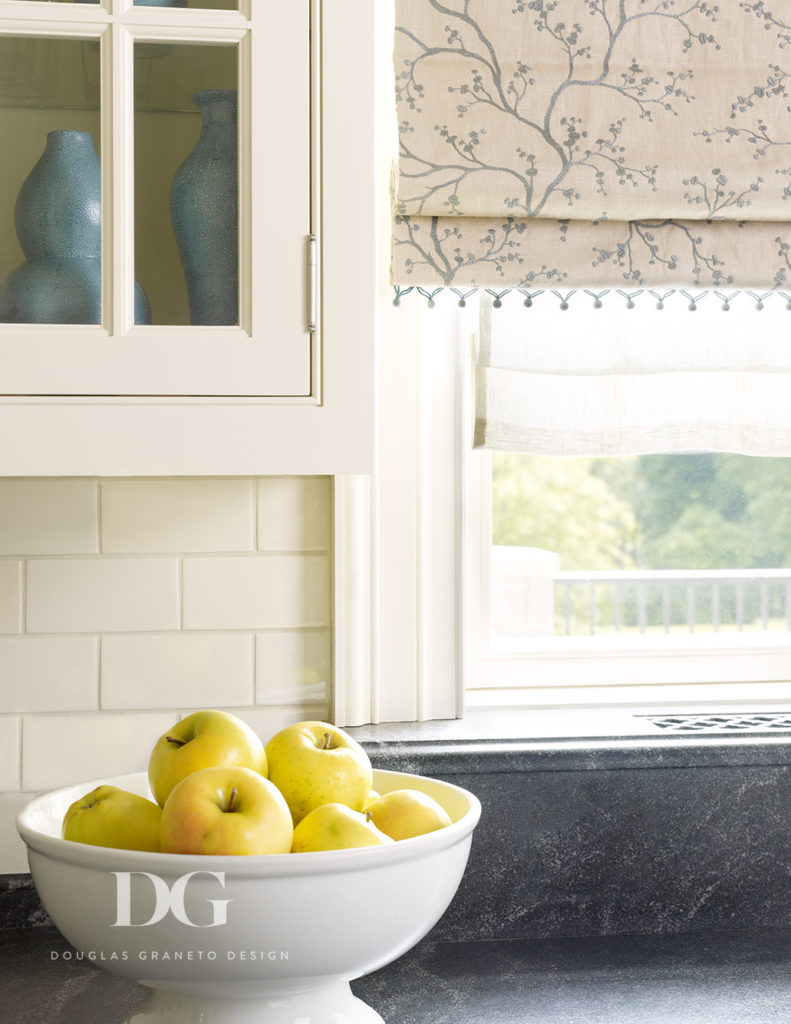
[{"x": 332, "y": 1003}]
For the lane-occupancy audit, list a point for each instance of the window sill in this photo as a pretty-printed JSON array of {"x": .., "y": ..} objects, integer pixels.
[{"x": 522, "y": 740}]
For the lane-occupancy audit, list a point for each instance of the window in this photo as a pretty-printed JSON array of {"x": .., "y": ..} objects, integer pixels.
[
  {"x": 649, "y": 545},
  {"x": 640, "y": 578},
  {"x": 413, "y": 556}
]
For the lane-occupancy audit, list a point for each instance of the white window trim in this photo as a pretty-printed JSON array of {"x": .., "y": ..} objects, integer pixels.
[
  {"x": 398, "y": 557},
  {"x": 397, "y": 638}
]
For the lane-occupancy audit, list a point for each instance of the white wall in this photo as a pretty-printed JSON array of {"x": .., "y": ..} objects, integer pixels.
[{"x": 127, "y": 603}]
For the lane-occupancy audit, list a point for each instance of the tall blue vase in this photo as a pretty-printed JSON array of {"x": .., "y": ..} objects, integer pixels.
[
  {"x": 204, "y": 209},
  {"x": 58, "y": 219}
]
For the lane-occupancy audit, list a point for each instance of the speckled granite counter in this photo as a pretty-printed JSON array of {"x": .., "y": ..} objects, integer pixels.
[
  {"x": 623, "y": 836},
  {"x": 615, "y": 836},
  {"x": 616, "y": 880},
  {"x": 705, "y": 978}
]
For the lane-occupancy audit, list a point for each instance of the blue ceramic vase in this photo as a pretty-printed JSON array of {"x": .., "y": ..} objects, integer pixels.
[
  {"x": 204, "y": 209},
  {"x": 58, "y": 219}
]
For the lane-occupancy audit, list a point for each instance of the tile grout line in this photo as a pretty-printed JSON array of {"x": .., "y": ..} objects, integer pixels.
[
  {"x": 180, "y": 593},
  {"x": 136, "y": 556},
  {"x": 255, "y": 497},
  {"x": 117, "y": 712},
  {"x": 99, "y": 536},
  {"x": 100, "y": 549},
  {"x": 99, "y": 672},
  {"x": 306, "y": 629},
  {"x": 23, "y": 597},
  {"x": 254, "y": 667},
  {"x": 21, "y": 765}
]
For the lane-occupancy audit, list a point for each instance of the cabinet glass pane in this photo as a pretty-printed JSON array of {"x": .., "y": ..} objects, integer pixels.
[
  {"x": 186, "y": 182},
  {"x": 50, "y": 190}
]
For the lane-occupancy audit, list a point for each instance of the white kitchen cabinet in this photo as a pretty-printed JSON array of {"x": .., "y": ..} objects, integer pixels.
[{"x": 288, "y": 386}]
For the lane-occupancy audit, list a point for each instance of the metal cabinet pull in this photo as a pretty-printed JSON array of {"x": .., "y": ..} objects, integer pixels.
[{"x": 313, "y": 284}]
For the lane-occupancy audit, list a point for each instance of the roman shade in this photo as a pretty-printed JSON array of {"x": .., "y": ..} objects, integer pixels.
[
  {"x": 583, "y": 383},
  {"x": 593, "y": 143}
]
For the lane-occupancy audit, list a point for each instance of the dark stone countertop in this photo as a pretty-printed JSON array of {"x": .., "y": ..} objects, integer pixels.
[
  {"x": 698, "y": 978},
  {"x": 517, "y": 740}
]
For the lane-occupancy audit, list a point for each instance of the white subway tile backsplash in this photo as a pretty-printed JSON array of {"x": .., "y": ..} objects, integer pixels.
[
  {"x": 59, "y": 750},
  {"x": 48, "y": 517},
  {"x": 45, "y": 673},
  {"x": 269, "y": 591},
  {"x": 153, "y": 516},
  {"x": 9, "y": 752},
  {"x": 126, "y": 604},
  {"x": 102, "y": 595},
  {"x": 294, "y": 513},
  {"x": 13, "y": 853},
  {"x": 267, "y": 721},
  {"x": 10, "y": 596},
  {"x": 185, "y": 670},
  {"x": 293, "y": 668}
]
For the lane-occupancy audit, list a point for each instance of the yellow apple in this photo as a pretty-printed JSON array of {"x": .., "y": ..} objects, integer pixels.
[
  {"x": 404, "y": 813},
  {"x": 204, "y": 739},
  {"x": 109, "y": 816},
  {"x": 336, "y": 827},
  {"x": 225, "y": 811},
  {"x": 314, "y": 763},
  {"x": 372, "y": 796}
]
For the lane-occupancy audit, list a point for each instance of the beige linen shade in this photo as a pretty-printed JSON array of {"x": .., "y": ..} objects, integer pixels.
[{"x": 593, "y": 143}]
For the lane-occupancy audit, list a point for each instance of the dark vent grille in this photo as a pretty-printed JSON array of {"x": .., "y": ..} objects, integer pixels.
[{"x": 770, "y": 721}]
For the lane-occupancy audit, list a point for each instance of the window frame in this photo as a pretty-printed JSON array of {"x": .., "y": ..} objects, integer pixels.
[
  {"x": 407, "y": 645},
  {"x": 411, "y": 576},
  {"x": 571, "y": 671}
]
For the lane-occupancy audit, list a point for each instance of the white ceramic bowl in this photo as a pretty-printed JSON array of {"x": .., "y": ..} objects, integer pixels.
[{"x": 295, "y": 929}]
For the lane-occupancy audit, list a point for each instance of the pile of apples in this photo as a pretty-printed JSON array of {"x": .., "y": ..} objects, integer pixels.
[{"x": 219, "y": 790}]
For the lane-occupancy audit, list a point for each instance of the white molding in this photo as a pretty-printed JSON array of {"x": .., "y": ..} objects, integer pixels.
[
  {"x": 190, "y": 438},
  {"x": 415, "y": 517},
  {"x": 424, "y": 597},
  {"x": 355, "y": 679},
  {"x": 681, "y": 697},
  {"x": 397, "y": 536},
  {"x": 441, "y": 349},
  {"x": 463, "y": 427}
]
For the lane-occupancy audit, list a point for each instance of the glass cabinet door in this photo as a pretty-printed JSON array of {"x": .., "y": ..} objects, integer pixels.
[{"x": 155, "y": 198}]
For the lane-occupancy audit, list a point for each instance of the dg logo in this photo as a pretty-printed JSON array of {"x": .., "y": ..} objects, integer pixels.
[{"x": 168, "y": 899}]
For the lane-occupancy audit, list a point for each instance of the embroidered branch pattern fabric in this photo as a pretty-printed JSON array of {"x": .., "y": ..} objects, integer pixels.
[{"x": 593, "y": 143}]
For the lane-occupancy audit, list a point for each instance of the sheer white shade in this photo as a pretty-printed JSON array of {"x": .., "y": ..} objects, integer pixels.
[{"x": 629, "y": 382}]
